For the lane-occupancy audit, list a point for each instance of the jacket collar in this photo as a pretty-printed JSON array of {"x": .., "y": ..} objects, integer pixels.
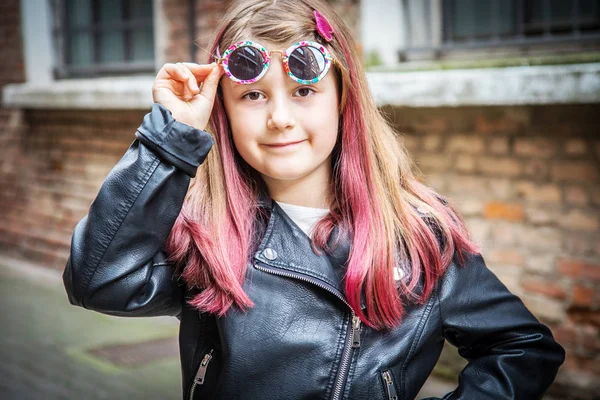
[{"x": 287, "y": 248}]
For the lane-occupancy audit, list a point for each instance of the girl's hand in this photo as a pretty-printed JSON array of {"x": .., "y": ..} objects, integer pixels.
[{"x": 188, "y": 90}]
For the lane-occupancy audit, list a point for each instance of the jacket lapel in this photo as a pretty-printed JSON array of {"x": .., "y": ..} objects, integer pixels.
[{"x": 286, "y": 247}]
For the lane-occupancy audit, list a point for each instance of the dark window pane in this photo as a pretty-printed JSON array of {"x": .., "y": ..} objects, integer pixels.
[
  {"x": 79, "y": 13},
  {"x": 143, "y": 45},
  {"x": 81, "y": 49},
  {"x": 112, "y": 47},
  {"x": 482, "y": 19},
  {"x": 140, "y": 9},
  {"x": 111, "y": 11},
  {"x": 589, "y": 15}
]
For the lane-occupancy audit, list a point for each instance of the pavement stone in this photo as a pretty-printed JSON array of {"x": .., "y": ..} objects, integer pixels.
[
  {"x": 44, "y": 343},
  {"x": 52, "y": 350}
]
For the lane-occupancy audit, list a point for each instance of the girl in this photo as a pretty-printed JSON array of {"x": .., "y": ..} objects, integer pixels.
[{"x": 304, "y": 259}]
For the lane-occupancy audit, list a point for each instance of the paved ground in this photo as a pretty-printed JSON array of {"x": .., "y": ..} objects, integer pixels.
[{"x": 52, "y": 350}]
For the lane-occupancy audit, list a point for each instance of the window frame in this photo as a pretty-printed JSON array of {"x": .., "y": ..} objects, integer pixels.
[
  {"x": 63, "y": 69},
  {"x": 519, "y": 38}
]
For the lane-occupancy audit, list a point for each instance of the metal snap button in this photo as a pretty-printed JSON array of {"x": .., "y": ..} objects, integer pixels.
[{"x": 269, "y": 254}]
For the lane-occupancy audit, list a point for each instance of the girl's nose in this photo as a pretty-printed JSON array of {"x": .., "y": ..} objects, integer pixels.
[{"x": 280, "y": 116}]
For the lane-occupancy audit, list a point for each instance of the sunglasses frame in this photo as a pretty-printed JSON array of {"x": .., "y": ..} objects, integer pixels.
[{"x": 224, "y": 60}]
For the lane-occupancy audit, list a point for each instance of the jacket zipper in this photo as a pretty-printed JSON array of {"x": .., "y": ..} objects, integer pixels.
[
  {"x": 352, "y": 334},
  {"x": 388, "y": 380},
  {"x": 201, "y": 374}
]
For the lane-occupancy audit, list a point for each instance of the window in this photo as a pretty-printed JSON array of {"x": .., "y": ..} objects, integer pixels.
[
  {"x": 103, "y": 37},
  {"x": 472, "y": 23}
]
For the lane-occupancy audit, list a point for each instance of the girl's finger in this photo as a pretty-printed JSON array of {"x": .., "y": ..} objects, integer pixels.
[
  {"x": 209, "y": 86},
  {"x": 200, "y": 71},
  {"x": 188, "y": 78}
]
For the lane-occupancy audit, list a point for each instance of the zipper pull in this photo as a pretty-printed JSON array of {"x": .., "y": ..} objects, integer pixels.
[
  {"x": 355, "y": 331},
  {"x": 203, "y": 367},
  {"x": 389, "y": 385}
]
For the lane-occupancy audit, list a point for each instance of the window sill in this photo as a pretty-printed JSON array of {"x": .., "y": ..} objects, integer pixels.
[
  {"x": 124, "y": 92},
  {"x": 558, "y": 84},
  {"x": 552, "y": 84}
]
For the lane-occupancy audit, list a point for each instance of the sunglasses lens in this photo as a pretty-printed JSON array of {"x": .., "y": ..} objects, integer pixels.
[
  {"x": 246, "y": 63},
  {"x": 306, "y": 62}
]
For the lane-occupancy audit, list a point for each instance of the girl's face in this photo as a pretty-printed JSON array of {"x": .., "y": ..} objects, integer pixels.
[{"x": 283, "y": 129}]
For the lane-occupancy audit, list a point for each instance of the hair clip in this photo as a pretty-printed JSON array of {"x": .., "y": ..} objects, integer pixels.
[{"x": 323, "y": 27}]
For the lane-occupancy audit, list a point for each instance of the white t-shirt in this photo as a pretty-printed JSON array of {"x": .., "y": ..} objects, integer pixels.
[
  {"x": 304, "y": 217},
  {"x": 307, "y": 217}
]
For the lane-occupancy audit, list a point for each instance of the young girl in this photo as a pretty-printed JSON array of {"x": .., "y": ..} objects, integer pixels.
[{"x": 304, "y": 259}]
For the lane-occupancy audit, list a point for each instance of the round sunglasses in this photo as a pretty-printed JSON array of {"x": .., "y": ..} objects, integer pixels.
[{"x": 305, "y": 62}]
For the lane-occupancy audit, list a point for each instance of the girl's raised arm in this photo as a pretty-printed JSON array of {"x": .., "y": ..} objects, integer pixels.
[{"x": 116, "y": 265}]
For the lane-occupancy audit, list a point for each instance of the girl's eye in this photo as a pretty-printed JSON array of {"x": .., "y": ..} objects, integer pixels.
[
  {"x": 304, "y": 91},
  {"x": 253, "y": 96}
]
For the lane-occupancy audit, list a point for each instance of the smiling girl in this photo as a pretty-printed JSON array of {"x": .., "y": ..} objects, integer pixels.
[{"x": 268, "y": 205}]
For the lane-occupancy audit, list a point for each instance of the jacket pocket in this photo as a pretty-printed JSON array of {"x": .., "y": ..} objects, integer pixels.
[
  {"x": 389, "y": 385},
  {"x": 201, "y": 373}
]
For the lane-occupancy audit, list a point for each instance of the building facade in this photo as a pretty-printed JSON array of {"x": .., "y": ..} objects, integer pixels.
[{"x": 497, "y": 101}]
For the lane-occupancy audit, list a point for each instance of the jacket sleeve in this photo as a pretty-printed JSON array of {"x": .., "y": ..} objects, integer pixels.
[
  {"x": 116, "y": 265},
  {"x": 510, "y": 354}
]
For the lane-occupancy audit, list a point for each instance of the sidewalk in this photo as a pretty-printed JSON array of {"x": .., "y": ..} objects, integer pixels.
[{"x": 50, "y": 349}]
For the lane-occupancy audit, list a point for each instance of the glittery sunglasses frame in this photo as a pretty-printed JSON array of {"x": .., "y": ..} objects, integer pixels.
[{"x": 285, "y": 56}]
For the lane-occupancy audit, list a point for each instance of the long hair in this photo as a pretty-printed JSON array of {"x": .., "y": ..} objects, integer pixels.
[{"x": 390, "y": 217}]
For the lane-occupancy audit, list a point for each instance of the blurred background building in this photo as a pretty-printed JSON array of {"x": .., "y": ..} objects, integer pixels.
[{"x": 498, "y": 101}]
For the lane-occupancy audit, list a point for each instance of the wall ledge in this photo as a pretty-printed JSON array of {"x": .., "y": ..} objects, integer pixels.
[
  {"x": 553, "y": 84},
  {"x": 130, "y": 92},
  {"x": 557, "y": 84}
]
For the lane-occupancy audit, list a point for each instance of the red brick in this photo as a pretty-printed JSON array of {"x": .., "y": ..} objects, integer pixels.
[
  {"x": 465, "y": 163},
  {"x": 576, "y": 147},
  {"x": 466, "y": 143},
  {"x": 582, "y": 316},
  {"x": 590, "y": 339},
  {"x": 538, "y": 193},
  {"x": 576, "y": 195},
  {"x": 498, "y": 166},
  {"x": 579, "y": 269},
  {"x": 565, "y": 334},
  {"x": 432, "y": 125},
  {"x": 580, "y": 171},
  {"x": 544, "y": 287},
  {"x": 432, "y": 142},
  {"x": 506, "y": 211},
  {"x": 580, "y": 220},
  {"x": 496, "y": 124},
  {"x": 411, "y": 142},
  {"x": 535, "y": 147},
  {"x": 582, "y": 296},
  {"x": 505, "y": 256},
  {"x": 499, "y": 145},
  {"x": 536, "y": 169},
  {"x": 433, "y": 162}
]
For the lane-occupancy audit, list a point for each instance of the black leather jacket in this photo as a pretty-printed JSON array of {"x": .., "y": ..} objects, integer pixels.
[{"x": 301, "y": 340}]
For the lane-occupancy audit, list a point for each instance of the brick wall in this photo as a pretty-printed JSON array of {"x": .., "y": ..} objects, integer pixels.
[
  {"x": 12, "y": 70},
  {"x": 56, "y": 168},
  {"x": 527, "y": 180},
  {"x": 11, "y": 53}
]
